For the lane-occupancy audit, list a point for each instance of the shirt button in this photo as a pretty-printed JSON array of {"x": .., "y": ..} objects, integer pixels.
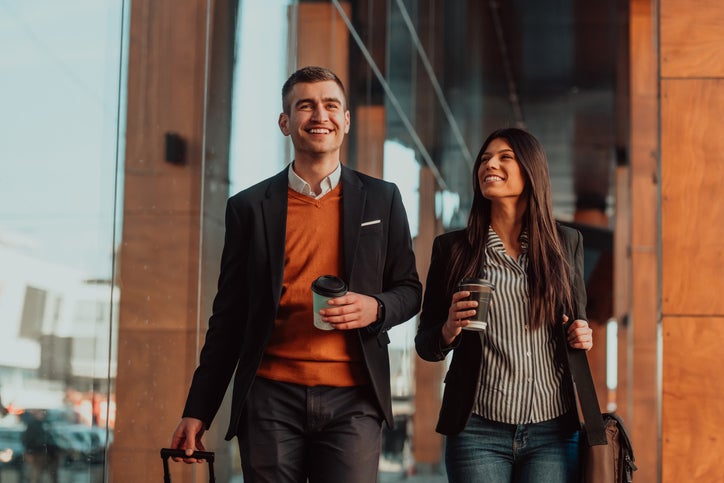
[{"x": 527, "y": 354}]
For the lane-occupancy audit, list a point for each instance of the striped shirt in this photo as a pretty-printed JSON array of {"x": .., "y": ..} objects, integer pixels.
[{"x": 521, "y": 380}]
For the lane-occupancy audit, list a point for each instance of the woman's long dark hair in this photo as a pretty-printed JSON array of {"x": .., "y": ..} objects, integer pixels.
[{"x": 549, "y": 280}]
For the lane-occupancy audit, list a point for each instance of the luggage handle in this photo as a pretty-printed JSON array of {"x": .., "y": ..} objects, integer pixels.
[{"x": 167, "y": 453}]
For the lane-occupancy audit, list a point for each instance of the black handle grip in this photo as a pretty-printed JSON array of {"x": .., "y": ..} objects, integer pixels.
[
  {"x": 181, "y": 453},
  {"x": 167, "y": 453}
]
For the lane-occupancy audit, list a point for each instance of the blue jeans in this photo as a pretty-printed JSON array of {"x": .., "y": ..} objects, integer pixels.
[{"x": 490, "y": 452}]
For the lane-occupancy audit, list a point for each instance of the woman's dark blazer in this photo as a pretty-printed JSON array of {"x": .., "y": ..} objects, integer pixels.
[
  {"x": 462, "y": 377},
  {"x": 378, "y": 260}
]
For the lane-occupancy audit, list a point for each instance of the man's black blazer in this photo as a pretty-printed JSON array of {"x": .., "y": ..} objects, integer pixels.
[
  {"x": 462, "y": 378},
  {"x": 378, "y": 260}
]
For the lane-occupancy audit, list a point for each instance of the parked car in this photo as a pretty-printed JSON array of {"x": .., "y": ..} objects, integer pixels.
[
  {"x": 80, "y": 444},
  {"x": 74, "y": 444},
  {"x": 11, "y": 446}
]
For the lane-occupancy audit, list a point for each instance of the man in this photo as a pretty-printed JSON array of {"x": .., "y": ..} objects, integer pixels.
[
  {"x": 42, "y": 453},
  {"x": 307, "y": 403}
]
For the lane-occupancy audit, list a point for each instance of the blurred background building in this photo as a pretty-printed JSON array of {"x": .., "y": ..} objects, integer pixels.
[{"x": 125, "y": 125}]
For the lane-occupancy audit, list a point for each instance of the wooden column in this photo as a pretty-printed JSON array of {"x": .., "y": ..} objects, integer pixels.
[
  {"x": 599, "y": 289},
  {"x": 366, "y": 95},
  {"x": 164, "y": 290},
  {"x": 622, "y": 209},
  {"x": 323, "y": 41},
  {"x": 592, "y": 130},
  {"x": 426, "y": 443},
  {"x": 643, "y": 390},
  {"x": 370, "y": 133},
  {"x": 429, "y": 124},
  {"x": 622, "y": 288},
  {"x": 692, "y": 239}
]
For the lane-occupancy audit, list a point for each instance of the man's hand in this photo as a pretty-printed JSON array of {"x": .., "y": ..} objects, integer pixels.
[
  {"x": 188, "y": 437},
  {"x": 350, "y": 311}
]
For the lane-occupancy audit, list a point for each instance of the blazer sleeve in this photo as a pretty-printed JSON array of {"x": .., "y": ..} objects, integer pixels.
[
  {"x": 401, "y": 288},
  {"x": 575, "y": 253},
  {"x": 220, "y": 353},
  {"x": 435, "y": 304}
]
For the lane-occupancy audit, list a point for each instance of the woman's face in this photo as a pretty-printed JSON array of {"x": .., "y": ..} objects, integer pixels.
[{"x": 499, "y": 174}]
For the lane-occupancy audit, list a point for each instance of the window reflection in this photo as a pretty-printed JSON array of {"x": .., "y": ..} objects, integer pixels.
[{"x": 60, "y": 91}]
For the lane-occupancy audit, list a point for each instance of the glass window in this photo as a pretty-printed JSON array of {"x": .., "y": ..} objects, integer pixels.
[{"x": 61, "y": 96}]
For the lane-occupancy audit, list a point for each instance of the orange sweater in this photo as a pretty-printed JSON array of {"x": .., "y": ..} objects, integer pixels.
[{"x": 298, "y": 352}]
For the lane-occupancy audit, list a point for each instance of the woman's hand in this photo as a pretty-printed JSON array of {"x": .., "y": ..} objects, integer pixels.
[
  {"x": 580, "y": 335},
  {"x": 457, "y": 316}
]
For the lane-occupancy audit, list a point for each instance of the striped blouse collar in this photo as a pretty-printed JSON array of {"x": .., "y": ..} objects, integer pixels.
[{"x": 496, "y": 243}]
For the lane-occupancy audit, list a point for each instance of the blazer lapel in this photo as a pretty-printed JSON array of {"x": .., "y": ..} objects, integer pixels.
[
  {"x": 274, "y": 214},
  {"x": 353, "y": 203}
]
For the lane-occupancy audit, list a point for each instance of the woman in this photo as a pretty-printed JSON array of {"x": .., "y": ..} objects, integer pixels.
[{"x": 508, "y": 410}]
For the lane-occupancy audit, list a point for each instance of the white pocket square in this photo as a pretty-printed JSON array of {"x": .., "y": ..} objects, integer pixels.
[{"x": 373, "y": 222}]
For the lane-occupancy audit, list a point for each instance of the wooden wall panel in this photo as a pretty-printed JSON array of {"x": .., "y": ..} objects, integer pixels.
[
  {"x": 692, "y": 171},
  {"x": 692, "y": 38},
  {"x": 692, "y": 99},
  {"x": 693, "y": 400}
]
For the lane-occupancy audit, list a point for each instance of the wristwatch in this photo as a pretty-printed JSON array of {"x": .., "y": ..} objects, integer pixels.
[{"x": 380, "y": 311}]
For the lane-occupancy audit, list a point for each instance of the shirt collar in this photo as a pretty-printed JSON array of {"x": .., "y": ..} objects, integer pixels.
[
  {"x": 524, "y": 240},
  {"x": 494, "y": 240},
  {"x": 328, "y": 184}
]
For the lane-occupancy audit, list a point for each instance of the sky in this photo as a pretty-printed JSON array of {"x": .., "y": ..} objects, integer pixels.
[
  {"x": 59, "y": 119},
  {"x": 258, "y": 148}
]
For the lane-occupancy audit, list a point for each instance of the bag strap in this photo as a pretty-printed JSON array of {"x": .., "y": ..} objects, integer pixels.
[
  {"x": 586, "y": 391},
  {"x": 580, "y": 370}
]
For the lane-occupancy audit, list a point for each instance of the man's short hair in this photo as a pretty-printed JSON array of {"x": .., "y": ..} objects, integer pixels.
[{"x": 307, "y": 75}]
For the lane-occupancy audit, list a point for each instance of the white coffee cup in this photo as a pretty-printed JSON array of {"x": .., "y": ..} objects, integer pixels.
[{"x": 325, "y": 288}]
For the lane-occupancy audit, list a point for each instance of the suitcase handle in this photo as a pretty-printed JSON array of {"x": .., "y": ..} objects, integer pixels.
[{"x": 167, "y": 453}]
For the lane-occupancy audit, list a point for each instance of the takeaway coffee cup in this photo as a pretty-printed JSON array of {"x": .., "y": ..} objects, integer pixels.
[
  {"x": 481, "y": 290},
  {"x": 324, "y": 288}
]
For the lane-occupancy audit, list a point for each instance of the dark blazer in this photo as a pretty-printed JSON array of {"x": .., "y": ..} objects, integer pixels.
[
  {"x": 378, "y": 260},
  {"x": 461, "y": 379}
]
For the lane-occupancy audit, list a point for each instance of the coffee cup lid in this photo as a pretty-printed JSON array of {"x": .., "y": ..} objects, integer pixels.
[{"x": 329, "y": 285}]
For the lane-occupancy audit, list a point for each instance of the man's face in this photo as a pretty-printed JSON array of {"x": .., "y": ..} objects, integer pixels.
[{"x": 318, "y": 118}]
